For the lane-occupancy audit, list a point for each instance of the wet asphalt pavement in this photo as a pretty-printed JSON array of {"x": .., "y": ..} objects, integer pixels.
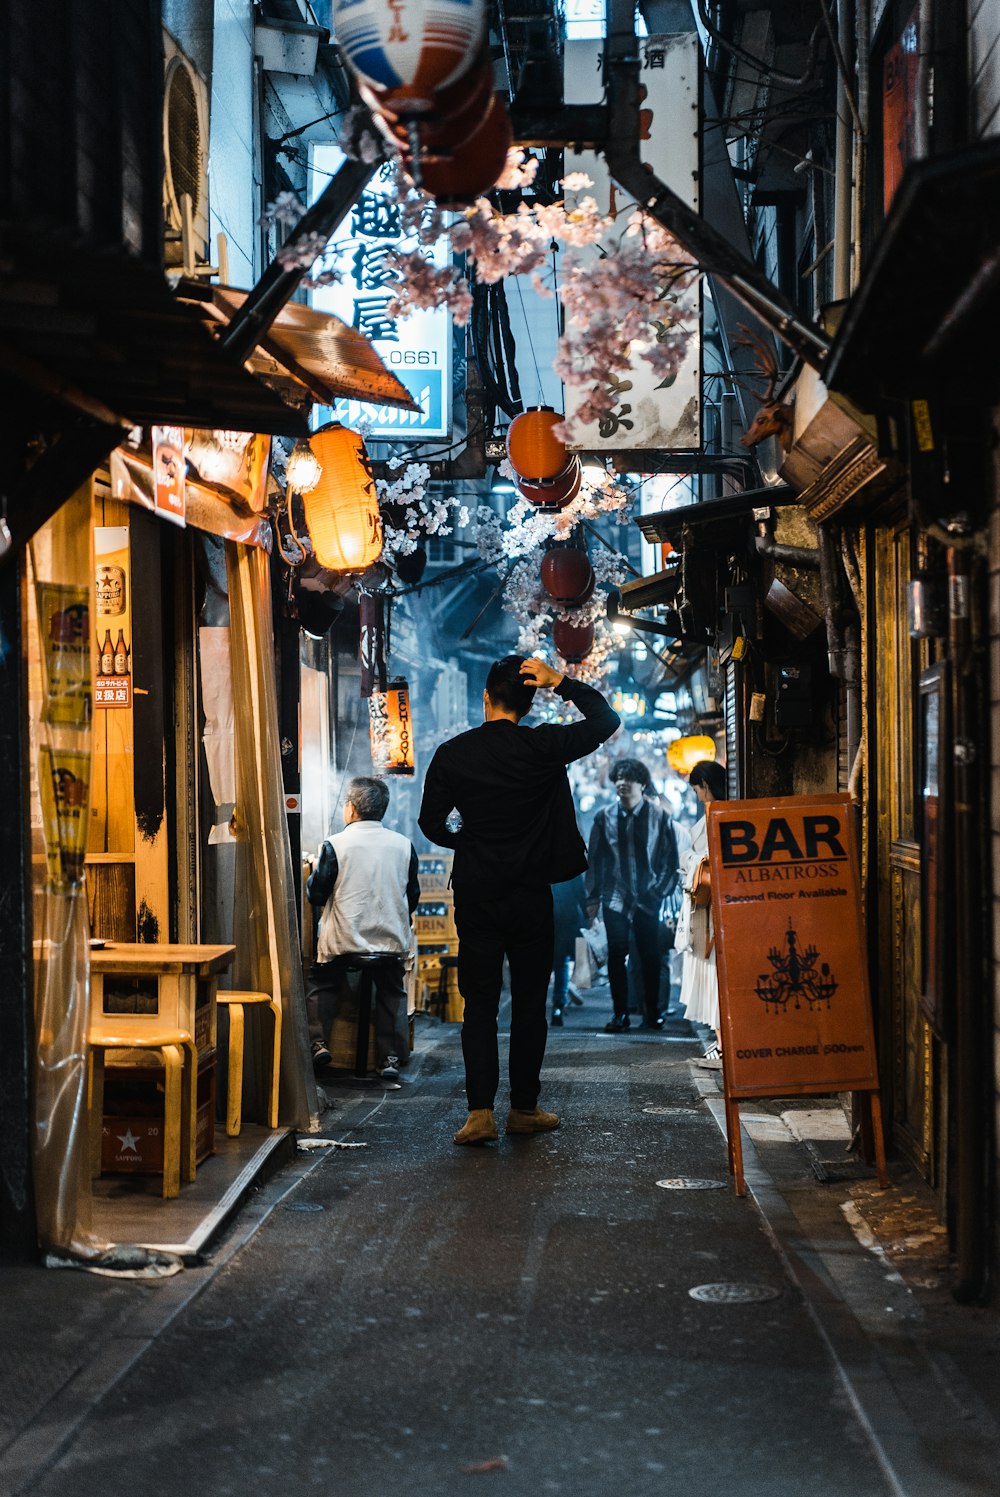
[{"x": 411, "y": 1310}]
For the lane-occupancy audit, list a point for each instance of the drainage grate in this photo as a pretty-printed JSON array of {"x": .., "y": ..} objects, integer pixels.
[
  {"x": 669, "y": 1112},
  {"x": 303, "y": 1206},
  {"x": 733, "y": 1294},
  {"x": 682, "y": 1182}
]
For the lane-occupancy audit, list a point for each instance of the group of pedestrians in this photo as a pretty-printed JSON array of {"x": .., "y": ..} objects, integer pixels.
[{"x": 517, "y": 845}]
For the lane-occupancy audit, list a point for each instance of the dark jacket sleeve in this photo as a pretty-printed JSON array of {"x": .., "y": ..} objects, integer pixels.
[
  {"x": 595, "y": 858},
  {"x": 413, "y": 882},
  {"x": 437, "y": 805},
  {"x": 564, "y": 742},
  {"x": 319, "y": 885},
  {"x": 667, "y": 860}
]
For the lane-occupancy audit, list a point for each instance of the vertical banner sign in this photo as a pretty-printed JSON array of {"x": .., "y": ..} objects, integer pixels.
[
  {"x": 168, "y": 473},
  {"x": 113, "y": 593},
  {"x": 648, "y": 412},
  {"x": 64, "y": 630},
  {"x": 791, "y": 954},
  {"x": 63, "y": 782},
  {"x": 416, "y": 348}
]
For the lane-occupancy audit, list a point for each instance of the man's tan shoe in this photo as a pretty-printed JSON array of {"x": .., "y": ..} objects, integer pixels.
[
  {"x": 520, "y": 1120},
  {"x": 479, "y": 1128}
]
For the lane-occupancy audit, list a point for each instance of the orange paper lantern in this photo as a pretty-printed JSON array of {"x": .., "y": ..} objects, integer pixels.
[
  {"x": 684, "y": 753},
  {"x": 342, "y": 513},
  {"x": 556, "y": 495},
  {"x": 536, "y": 454}
]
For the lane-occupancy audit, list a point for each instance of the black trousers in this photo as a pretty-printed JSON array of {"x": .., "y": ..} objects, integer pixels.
[
  {"x": 328, "y": 983},
  {"x": 516, "y": 923},
  {"x": 642, "y": 928}
]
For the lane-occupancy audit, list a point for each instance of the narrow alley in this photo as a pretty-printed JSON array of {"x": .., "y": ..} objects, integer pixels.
[{"x": 525, "y": 1317}]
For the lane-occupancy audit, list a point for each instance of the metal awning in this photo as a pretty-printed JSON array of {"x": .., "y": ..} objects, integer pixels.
[
  {"x": 99, "y": 333},
  {"x": 921, "y": 320},
  {"x": 668, "y": 524},
  {"x": 306, "y": 353}
]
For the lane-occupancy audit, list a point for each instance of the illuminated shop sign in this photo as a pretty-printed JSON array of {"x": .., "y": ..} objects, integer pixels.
[{"x": 417, "y": 348}]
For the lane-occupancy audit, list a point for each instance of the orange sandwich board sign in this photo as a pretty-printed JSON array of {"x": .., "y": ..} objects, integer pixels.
[{"x": 790, "y": 950}]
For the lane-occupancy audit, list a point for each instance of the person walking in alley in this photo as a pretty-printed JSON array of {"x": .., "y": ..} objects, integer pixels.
[
  {"x": 695, "y": 936},
  {"x": 633, "y": 867},
  {"x": 518, "y": 836},
  {"x": 367, "y": 885}
]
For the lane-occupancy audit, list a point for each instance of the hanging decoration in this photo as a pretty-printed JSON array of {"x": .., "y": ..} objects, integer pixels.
[
  {"x": 536, "y": 453},
  {"x": 567, "y": 575},
  {"x": 342, "y": 512},
  {"x": 557, "y": 494},
  {"x": 573, "y": 641},
  {"x": 372, "y": 646},
  {"x": 410, "y": 48},
  {"x": 391, "y": 729},
  {"x": 684, "y": 753}
]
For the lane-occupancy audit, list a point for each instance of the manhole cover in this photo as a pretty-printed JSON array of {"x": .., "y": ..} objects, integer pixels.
[
  {"x": 733, "y": 1294},
  {"x": 302, "y": 1206},
  {"x": 662, "y": 1112},
  {"x": 681, "y": 1182}
]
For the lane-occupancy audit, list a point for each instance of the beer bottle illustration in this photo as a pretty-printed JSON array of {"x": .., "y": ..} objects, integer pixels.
[
  {"x": 121, "y": 655},
  {"x": 107, "y": 655}
]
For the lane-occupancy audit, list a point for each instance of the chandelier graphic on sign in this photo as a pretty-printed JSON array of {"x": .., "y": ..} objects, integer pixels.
[{"x": 795, "y": 977}]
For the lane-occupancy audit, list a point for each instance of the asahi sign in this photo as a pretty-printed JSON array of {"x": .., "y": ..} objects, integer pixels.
[{"x": 793, "y": 980}]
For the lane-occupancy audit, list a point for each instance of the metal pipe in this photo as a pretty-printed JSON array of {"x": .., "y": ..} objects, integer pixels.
[
  {"x": 862, "y": 52},
  {"x": 795, "y": 556},
  {"x": 970, "y": 987},
  {"x": 842, "y": 183}
]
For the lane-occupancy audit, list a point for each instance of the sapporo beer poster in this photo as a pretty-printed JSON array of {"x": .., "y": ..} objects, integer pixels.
[{"x": 790, "y": 947}]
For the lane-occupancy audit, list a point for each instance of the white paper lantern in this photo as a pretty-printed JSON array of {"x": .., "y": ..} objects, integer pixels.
[{"x": 417, "y": 46}]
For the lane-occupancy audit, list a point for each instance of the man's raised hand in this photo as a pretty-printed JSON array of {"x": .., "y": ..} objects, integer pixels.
[{"x": 537, "y": 673}]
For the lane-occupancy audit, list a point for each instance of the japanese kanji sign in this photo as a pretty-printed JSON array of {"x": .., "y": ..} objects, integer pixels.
[{"x": 417, "y": 348}]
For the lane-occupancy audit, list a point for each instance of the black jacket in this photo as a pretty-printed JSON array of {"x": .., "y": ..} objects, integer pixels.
[{"x": 508, "y": 784}]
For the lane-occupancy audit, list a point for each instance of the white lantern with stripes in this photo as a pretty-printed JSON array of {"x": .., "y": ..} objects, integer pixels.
[{"x": 410, "y": 48}]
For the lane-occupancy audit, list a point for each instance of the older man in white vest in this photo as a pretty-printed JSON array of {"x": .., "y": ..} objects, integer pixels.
[{"x": 367, "y": 885}]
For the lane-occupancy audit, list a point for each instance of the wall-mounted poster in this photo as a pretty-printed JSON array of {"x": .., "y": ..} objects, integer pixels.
[
  {"x": 64, "y": 782},
  {"x": 168, "y": 473},
  {"x": 64, "y": 631},
  {"x": 113, "y": 594}
]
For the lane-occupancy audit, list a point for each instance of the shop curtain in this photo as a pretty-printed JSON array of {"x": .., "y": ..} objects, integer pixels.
[
  {"x": 265, "y": 922},
  {"x": 61, "y": 692}
]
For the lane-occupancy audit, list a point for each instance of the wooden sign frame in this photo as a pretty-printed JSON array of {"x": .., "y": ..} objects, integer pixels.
[{"x": 794, "y": 1001}]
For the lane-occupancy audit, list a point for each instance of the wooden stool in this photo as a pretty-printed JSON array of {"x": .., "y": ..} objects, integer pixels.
[
  {"x": 235, "y": 1003},
  {"x": 180, "y": 1070}
]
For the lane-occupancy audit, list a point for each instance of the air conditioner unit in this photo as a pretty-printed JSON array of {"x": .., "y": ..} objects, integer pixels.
[{"x": 185, "y": 157}]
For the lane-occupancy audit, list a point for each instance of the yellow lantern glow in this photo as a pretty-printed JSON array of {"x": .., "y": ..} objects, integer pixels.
[
  {"x": 342, "y": 513},
  {"x": 684, "y": 753},
  {"x": 391, "y": 729}
]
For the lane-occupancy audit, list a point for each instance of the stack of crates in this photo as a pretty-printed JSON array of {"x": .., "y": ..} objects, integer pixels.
[{"x": 437, "y": 938}]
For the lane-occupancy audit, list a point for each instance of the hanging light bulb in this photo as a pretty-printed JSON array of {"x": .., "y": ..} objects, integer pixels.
[{"x": 303, "y": 470}]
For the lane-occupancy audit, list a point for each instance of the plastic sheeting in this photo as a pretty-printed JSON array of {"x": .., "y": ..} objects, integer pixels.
[
  {"x": 62, "y": 671},
  {"x": 265, "y": 921},
  {"x": 236, "y": 513}
]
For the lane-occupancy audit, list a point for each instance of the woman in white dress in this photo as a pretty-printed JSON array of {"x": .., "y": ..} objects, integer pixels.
[{"x": 695, "y": 936}]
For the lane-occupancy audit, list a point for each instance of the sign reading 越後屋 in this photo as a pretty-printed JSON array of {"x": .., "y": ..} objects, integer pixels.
[
  {"x": 793, "y": 979},
  {"x": 416, "y": 348}
]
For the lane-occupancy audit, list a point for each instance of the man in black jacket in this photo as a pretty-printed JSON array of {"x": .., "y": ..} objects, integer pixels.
[{"x": 518, "y": 836}]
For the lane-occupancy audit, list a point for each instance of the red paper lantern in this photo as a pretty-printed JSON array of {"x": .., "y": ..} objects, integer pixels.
[
  {"x": 536, "y": 454},
  {"x": 573, "y": 641},
  {"x": 473, "y": 164},
  {"x": 557, "y": 494},
  {"x": 457, "y": 111},
  {"x": 567, "y": 575}
]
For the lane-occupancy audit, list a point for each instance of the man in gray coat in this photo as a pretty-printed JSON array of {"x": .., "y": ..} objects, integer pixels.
[{"x": 633, "y": 867}]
